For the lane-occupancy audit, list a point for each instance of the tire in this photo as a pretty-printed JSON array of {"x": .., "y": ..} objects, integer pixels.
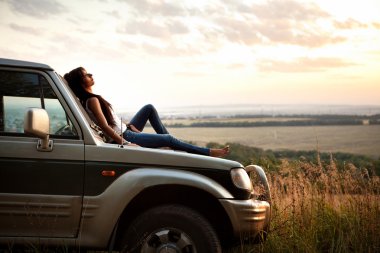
[{"x": 170, "y": 228}]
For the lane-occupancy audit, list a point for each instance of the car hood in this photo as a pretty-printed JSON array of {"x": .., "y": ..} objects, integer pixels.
[{"x": 148, "y": 157}]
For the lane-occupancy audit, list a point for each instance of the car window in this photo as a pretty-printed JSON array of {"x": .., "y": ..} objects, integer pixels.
[{"x": 22, "y": 90}]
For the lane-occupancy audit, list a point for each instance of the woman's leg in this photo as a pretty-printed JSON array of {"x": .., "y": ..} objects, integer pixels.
[
  {"x": 163, "y": 140},
  {"x": 148, "y": 112}
]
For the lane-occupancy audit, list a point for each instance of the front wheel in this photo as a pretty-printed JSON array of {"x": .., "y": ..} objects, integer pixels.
[{"x": 170, "y": 228}]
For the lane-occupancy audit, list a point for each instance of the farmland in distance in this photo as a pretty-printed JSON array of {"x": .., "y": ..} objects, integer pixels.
[
  {"x": 326, "y": 128},
  {"x": 355, "y": 139}
]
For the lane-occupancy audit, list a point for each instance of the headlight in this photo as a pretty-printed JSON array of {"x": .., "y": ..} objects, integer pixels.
[{"x": 241, "y": 179}]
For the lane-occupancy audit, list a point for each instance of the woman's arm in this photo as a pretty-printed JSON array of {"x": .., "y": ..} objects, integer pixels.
[{"x": 94, "y": 106}]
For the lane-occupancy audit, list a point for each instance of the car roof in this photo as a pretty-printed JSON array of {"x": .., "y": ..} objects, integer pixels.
[{"x": 23, "y": 64}]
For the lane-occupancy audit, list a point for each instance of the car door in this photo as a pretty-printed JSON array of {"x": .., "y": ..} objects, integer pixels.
[{"x": 41, "y": 191}]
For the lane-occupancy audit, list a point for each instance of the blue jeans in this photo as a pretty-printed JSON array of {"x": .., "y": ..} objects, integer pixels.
[
  {"x": 162, "y": 138},
  {"x": 148, "y": 112}
]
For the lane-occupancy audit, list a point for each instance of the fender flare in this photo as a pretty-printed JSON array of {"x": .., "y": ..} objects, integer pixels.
[{"x": 103, "y": 211}]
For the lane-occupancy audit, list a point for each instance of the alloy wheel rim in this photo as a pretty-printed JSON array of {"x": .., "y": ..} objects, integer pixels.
[{"x": 168, "y": 240}]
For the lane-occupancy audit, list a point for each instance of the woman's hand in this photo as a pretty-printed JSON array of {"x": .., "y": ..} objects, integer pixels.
[
  {"x": 128, "y": 143},
  {"x": 132, "y": 144}
]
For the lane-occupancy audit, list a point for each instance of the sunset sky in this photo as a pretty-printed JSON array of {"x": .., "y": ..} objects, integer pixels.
[{"x": 196, "y": 52}]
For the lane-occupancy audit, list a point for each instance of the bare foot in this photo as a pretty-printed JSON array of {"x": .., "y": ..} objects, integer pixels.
[{"x": 220, "y": 152}]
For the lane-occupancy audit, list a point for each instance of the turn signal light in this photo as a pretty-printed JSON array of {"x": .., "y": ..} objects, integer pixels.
[{"x": 108, "y": 173}]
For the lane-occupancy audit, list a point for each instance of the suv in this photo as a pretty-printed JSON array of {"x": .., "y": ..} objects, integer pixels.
[{"x": 62, "y": 185}]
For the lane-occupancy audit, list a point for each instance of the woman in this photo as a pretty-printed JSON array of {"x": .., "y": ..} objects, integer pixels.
[{"x": 102, "y": 113}]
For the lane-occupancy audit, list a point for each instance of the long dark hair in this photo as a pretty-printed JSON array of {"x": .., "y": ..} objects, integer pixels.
[{"x": 75, "y": 79}]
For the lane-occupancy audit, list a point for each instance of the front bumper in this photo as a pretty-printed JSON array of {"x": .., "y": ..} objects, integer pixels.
[
  {"x": 248, "y": 217},
  {"x": 251, "y": 217}
]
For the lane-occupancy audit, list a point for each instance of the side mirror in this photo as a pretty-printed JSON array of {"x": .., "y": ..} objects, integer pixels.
[{"x": 36, "y": 123}]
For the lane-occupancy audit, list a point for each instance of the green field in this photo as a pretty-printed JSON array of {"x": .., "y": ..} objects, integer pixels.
[{"x": 359, "y": 139}]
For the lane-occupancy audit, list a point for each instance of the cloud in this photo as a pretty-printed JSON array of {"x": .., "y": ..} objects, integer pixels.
[
  {"x": 72, "y": 46},
  {"x": 146, "y": 27},
  {"x": 169, "y": 50},
  {"x": 376, "y": 25},
  {"x": 285, "y": 22},
  {"x": 38, "y": 9},
  {"x": 303, "y": 64},
  {"x": 239, "y": 31},
  {"x": 287, "y": 10},
  {"x": 217, "y": 23},
  {"x": 349, "y": 24},
  {"x": 145, "y": 7},
  {"x": 25, "y": 29},
  {"x": 300, "y": 34},
  {"x": 154, "y": 29},
  {"x": 177, "y": 27},
  {"x": 113, "y": 13}
]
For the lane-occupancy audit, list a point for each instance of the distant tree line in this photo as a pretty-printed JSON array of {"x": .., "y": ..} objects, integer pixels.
[
  {"x": 302, "y": 120},
  {"x": 309, "y": 116}
]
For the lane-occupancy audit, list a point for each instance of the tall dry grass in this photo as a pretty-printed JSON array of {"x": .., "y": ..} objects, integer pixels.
[{"x": 317, "y": 208}]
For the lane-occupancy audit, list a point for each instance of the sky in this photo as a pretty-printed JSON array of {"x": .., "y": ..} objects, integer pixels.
[{"x": 195, "y": 52}]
